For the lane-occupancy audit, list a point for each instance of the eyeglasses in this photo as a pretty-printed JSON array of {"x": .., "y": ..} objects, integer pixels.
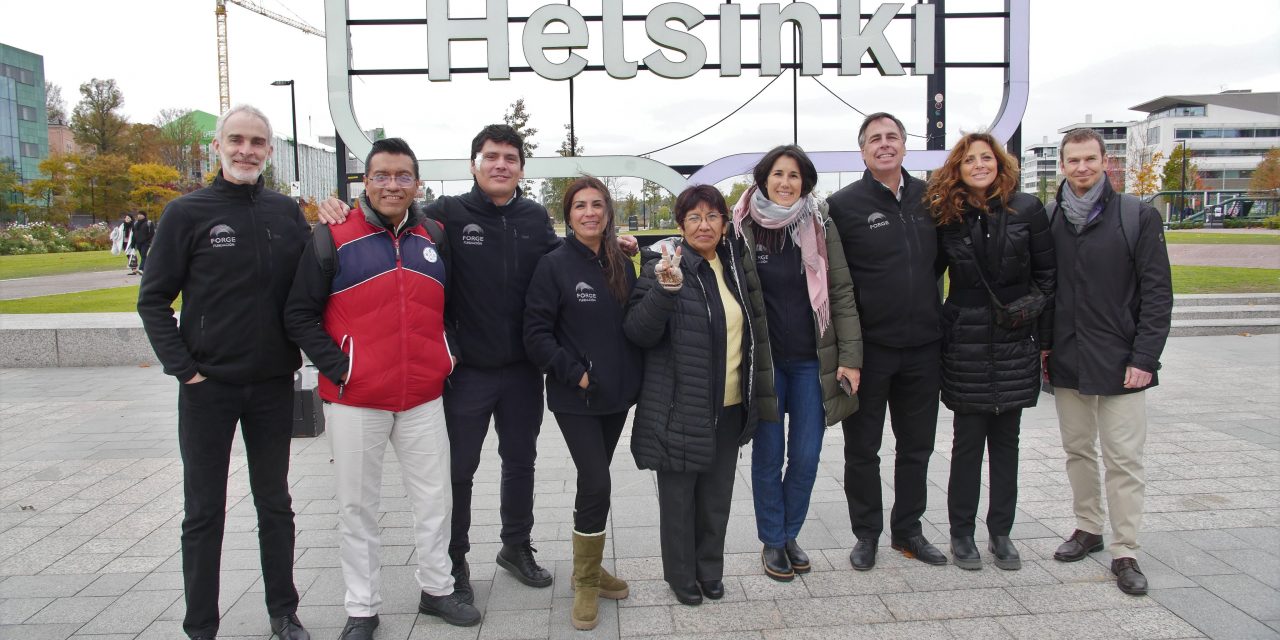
[
  {"x": 402, "y": 179},
  {"x": 712, "y": 218}
]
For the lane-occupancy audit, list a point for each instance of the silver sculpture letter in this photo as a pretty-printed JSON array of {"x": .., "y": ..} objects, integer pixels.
[
  {"x": 854, "y": 41},
  {"x": 810, "y": 25},
  {"x": 695, "y": 52},
  {"x": 537, "y": 41},
  {"x": 441, "y": 29}
]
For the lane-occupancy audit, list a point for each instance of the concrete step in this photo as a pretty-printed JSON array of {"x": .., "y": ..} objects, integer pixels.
[
  {"x": 1223, "y": 327},
  {"x": 1226, "y": 312},
  {"x": 1224, "y": 299}
]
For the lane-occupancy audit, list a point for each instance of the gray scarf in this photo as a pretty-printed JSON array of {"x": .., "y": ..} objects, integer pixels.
[{"x": 1076, "y": 208}]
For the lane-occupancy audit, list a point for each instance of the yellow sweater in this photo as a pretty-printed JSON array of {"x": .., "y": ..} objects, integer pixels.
[{"x": 732, "y": 339}]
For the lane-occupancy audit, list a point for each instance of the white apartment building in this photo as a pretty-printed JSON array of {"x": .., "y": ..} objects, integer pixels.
[
  {"x": 1040, "y": 174},
  {"x": 1227, "y": 134},
  {"x": 1115, "y": 134}
]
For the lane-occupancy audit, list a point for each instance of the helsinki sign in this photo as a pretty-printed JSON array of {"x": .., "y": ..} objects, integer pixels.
[
  {"x": 537, "y": 40},
  {"x": 679, "y": 53}
]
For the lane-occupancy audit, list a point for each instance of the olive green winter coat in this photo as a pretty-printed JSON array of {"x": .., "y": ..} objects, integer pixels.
[{"x": 841, "y": 345}]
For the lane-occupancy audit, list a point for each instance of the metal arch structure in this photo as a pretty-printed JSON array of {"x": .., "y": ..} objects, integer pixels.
[{"x": 338, "y": 56}]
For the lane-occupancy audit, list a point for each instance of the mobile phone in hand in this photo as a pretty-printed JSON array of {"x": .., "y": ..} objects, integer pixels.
[{"x": 848, "y": 388}]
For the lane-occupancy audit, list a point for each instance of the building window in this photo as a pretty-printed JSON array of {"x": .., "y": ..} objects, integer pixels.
[
  {"x": 30, "y": 150},
  {"x": 1229, "y": 132},
  {"x": 1153, "y": 136},
  {"x": 26, "y": 113}
]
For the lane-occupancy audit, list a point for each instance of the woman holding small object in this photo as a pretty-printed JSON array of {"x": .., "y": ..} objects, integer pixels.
[
  {"x": 708, "y": 378},
  {"x": 814, "y": 337}
]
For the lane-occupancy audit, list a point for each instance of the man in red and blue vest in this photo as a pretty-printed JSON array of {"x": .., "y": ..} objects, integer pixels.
[{"x": 367, "y": 306}]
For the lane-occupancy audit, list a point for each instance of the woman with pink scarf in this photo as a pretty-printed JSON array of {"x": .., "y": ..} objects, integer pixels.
[{"x": 815, "y": 339}]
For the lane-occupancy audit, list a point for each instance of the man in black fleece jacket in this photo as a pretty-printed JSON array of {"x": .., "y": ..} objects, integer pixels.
[
  {"x": 890, "y": 241},
  {"x": 231, "y": 250}
]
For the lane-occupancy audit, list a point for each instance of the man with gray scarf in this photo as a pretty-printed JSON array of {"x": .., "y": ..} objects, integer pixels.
[{"x": 1112, "y": 313}]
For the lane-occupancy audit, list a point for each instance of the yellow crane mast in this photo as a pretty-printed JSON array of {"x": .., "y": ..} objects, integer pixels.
[{"x": 220, "y": 14}]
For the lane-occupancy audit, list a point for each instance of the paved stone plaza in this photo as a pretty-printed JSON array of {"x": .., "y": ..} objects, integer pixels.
[{"x": 91, "y": 501}]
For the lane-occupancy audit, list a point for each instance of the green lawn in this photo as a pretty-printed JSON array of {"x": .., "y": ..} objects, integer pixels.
[
  {"x": 1197, "y": 237},
  {"x": 1188, "y": 279},
  {"x": 47, "y": 264},
  {"x": 96, "y": 301}
]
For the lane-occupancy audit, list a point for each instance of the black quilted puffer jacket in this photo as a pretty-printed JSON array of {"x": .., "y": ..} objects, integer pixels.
[
  {"x": 683, "y": 335},
  {"x": 987, "y": 368}
]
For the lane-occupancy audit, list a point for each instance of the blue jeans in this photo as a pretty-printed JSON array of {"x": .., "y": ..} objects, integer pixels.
[{"x": 783, "y": 501}]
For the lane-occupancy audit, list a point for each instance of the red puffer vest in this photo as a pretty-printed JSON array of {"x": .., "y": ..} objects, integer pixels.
[{"x": 386, "y": 312}]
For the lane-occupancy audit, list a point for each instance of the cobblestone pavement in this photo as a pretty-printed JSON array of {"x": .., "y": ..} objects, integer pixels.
[
  {"x": 91, "y": 499},
  {"x": 1225, "y": 255}
]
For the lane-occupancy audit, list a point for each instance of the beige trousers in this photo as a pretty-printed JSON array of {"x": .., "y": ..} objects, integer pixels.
[{"x": 1120, "y": 424}]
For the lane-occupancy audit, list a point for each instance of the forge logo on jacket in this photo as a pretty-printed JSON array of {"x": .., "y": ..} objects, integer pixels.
[{"x": 231, "y": 250}]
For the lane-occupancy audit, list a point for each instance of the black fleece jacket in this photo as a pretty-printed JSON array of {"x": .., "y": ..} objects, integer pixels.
[
  {"x": 573, "y": 325},
  {"x": 494, "y": 250},
  {"x": 231, "y": 251},
  {"x": 892, "y": 249}
]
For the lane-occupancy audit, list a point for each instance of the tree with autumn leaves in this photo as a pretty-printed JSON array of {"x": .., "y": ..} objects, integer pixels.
[{"x": 125, "y": 166}]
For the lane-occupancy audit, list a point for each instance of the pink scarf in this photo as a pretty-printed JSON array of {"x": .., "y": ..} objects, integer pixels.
[{"x": 803, "y": 221}]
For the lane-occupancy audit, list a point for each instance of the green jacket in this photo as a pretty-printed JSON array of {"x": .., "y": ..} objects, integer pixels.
[{"x": 841, "y": 345}]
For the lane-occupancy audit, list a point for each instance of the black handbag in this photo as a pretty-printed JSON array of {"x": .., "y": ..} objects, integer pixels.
[{"x": 1020, "y": 312}]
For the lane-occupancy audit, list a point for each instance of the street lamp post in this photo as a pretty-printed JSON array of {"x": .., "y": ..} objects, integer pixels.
[
  {"x": 293, "y": 103},
  {"x": 1182, "y": 186}
]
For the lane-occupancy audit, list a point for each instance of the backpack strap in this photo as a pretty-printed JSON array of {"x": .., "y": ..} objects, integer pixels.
[
  {"x": 326, "y": 253},
  {"x": 1130, "y": 207}
]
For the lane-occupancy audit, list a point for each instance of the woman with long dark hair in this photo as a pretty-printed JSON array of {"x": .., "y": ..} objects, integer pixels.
[
  {"x": 572, "y": 331},
  {"x": 708, "y": 378},
  {"x": 814, "y": 337},
  {"x": 997, "y": 245}
]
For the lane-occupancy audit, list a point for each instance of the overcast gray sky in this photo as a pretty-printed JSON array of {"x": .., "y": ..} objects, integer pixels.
[{"x": 1087, "y": 56}]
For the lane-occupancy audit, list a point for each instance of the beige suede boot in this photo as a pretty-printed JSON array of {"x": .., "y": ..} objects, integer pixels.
[
  {"x": 587, "y": 552},
  {"x": 612, "y": 587}
]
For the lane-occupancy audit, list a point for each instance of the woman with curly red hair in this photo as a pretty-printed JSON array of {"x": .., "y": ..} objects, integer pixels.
[{"x": 997, "y": 245}]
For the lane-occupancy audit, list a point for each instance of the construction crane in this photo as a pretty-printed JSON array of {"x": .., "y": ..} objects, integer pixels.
[{"x": 220, "y": 12}]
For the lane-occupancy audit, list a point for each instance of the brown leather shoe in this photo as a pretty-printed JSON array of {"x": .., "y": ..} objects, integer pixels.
[
  {"x": 1080, "y": 544},
  {"x": 1129, "y": 577}
]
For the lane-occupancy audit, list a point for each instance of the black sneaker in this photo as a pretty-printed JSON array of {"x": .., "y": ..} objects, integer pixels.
[
  {"x": 518, "y": 559},
  {"x": 462, "y": 578},
  {"x": 359, "y": 628},
  {"x": 450, "y": 608}
]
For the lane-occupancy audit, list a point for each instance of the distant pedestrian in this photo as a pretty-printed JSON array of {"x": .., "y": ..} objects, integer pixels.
[
  {"x": 120, "y": 234},
  {"x": 231, "y": 250},
  {"x": 143, "y": 231},
  {"x": 1111, "y": 319}
]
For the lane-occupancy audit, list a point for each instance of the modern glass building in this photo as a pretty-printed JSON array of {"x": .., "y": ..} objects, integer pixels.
[{"x": 24, "y": 127}]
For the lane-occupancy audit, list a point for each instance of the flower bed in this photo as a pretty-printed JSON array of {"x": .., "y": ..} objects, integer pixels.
[{"x": 42, "y": 237}]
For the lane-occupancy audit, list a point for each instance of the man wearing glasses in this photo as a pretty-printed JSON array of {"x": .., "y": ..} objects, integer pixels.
[{"x": 367, "y": 306}]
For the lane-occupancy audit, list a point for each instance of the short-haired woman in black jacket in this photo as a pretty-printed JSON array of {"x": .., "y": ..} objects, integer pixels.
[
  {"x": 708, "y": 378},
  {"x": 996, "y": 242},
  {"x": 815, "y": 339},
  {"x": 572, "y": 331}
]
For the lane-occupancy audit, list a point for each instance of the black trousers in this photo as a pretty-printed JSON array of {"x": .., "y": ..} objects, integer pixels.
[
  {"x": 512, "y": 397},
  {"x": 142, "y": 260},
  {"x": 999, "y": 435},
  {"x": 591, "y": 441},
  {"x": 693, "y": 510},
  {"x": 207, "y": 415},
  {"x": 907, "y": 381}
]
